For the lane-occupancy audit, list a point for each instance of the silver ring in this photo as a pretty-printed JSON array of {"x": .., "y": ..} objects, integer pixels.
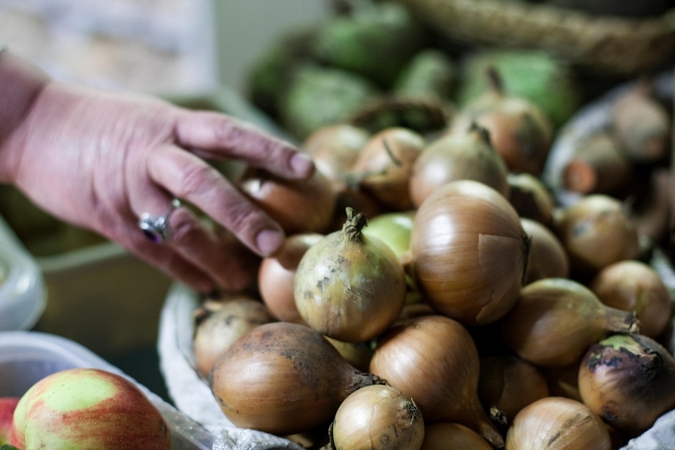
[{"x": 156, "y": 228}]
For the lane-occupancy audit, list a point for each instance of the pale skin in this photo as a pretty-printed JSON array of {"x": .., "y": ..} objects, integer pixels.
[{"x": 100, "y": 159}]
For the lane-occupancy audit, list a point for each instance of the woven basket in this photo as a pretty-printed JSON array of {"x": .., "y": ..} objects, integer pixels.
[{"x": 608, "y": 44}]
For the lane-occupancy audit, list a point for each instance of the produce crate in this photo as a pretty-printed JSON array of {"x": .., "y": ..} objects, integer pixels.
[{"x": 27, "y": 357}]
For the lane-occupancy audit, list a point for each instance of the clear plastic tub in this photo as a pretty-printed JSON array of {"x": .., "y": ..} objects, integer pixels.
[
  {"x": 27, "y": 357},
  {"x": 22, "y": 292}
]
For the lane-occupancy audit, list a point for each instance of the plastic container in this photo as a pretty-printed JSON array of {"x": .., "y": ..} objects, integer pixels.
[
  {"x": 22, "y": 293},
  {"x": 27, "y": 357}
]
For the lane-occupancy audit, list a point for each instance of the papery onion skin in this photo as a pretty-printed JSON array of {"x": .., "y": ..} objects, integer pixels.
[
  {"x": 386, "y": 162},
  {"x": 468, "y": 252},
  {"x": 298, "y": 206},
  {"x": 510, "y": 384},
  {"x": 629, "y": 380},
  {"x": 547, "y": 257},
  {"x": 334, "y": 149},
  {"x": 597, "y": 232},
  {"x": 283, "y": 378},
  {"x": 447, "y": 435},
  {"x": 556, "y": 423},
  {"x": 466, "y": 155},
  {"x": 378, "y": 418},
  {"x": 530, "y": 197},
  {"x": 219, "y": 323},
  {"x": 276, "y": 276},
  {"x": 556, "y": 320},
  {"x": 634, "y": 286},
  {"x": 433, "y": 360},
  {"x": 349, "y": 286}
]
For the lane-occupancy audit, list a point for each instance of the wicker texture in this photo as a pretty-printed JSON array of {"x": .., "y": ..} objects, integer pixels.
[{"x": 609, "y": 44}]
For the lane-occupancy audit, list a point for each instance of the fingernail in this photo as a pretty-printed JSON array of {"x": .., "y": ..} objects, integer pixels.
[
  {"x": 269, "y": 241},
  {"x": 302, "y": 164}
]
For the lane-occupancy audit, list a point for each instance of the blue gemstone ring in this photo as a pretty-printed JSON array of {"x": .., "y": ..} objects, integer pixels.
[{"x": 156, "y": 228}]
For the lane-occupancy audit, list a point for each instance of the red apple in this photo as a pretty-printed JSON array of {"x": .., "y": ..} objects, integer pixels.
[
  {"x": 7, "y": 407},
  {"x": 87, "y": 409}
]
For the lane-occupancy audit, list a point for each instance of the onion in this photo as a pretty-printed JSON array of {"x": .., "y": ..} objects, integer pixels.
[
  {"x": 468, "y": 252},
  {"x": 547, "y": 257},
  {"x": 219, "y": 323},
  {"x": 563, "y": 381},
  {"x": 378, "y": 418},
  {"x": 357, "y": 354},
  {"x": 466, "y": 155},
  {"x": 283, "y": 378},
  {"x": 349, "y": 286},
  {"x": 353, "y": 197},
  {"x": 276, "y": 276},
  {"x": 641, "y": 124},
  {"x": 334, "y": 149},
  {"x": 446, "y": 435},
  {"x": 519, "y": 130},
  {"x": 393, "y": 229},
  {"x": 555, "y": 320},
  {"x": 629, "y": 380},
  {"x": 556, "y": 423},
  {"x": 509, "y": 384},
  {"x": 597, "y": 232},
  {"x": 598, "y": 166},
  {"x": 433, "y": 360},
  {"x": 634, "y": 286},
  {"x": 530, "y": 198},
  {"x": 299, "y": 206},
  {"x": 385, "y": 164}
]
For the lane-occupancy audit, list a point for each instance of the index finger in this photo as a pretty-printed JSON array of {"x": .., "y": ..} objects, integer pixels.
[{"x": 220, "y": 136}]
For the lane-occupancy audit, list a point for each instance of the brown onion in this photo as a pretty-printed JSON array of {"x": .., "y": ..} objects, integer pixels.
[
  {"x": 299, "y": 206},
  {"x": 468, "y": 252},
  {"x": 530, "y": 197},
  {"x": 349, "y": 286},
  {"x": 556, "y": 423},
  {"x": 219, "y": 323},
  {"x": 547, "y": 258},
  {"x": 629, "y": 380},
  {"x": 433, "y": 360},
  {"x": 596, "y": 231},
  {"x": 378, "y": 418},
  {"x": 519, "y": 130},
  {"x": 276, "y": 276},
  {"x": 634, "y": 286},
  {"x": 563, "y": 381},
  {"x": 334, "y": 149},
  {"x": 446, "y": 435},
  {"x": 510, "y": 384},
  {"x": 641, "y": 124},
  {"x": 467, "y": 155},
  {"x": 283, "y": 378},
  {"x": 555, "y": 320},
  {"x": 385, "y": 164},
  {"x": 598, "y": 166}
]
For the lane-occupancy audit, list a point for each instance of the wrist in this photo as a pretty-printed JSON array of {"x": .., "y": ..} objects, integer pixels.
[{"x": 20, "y": 85}]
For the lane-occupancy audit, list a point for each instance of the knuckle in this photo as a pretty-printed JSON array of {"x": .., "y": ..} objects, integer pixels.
[
  {"x": 243, "y": 217},
  {"x": 197, "y": 179},
  {"x": 186, "y": 231},
  {"x": 230, "y": 133}
]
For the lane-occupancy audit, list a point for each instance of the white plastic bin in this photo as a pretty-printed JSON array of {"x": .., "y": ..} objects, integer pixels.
[
  {"x": 22, "y": 293},
  {"x": 27, "y": 357}
]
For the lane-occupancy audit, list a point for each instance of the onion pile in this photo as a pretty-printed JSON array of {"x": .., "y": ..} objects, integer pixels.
[{"x": 497, "y": 316}]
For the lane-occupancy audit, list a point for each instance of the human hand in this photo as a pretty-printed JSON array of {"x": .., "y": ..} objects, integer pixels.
[{"x": 100, "y": 160}]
